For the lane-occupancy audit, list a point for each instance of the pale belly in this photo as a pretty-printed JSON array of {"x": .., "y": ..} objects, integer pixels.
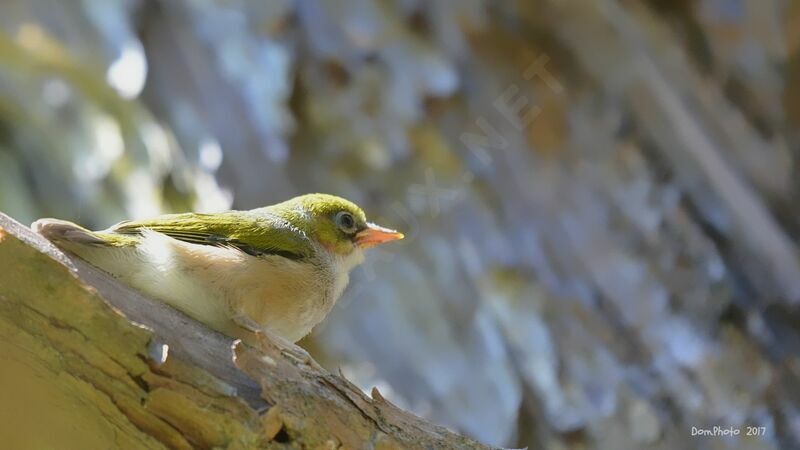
[{"x": 225, "y": 288}]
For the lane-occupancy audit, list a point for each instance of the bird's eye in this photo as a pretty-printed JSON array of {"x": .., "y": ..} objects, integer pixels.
[{"x": 346, "y": 222}]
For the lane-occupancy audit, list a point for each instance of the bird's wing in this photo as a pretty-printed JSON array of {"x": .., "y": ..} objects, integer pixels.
[{"x": 255, "y": 234}]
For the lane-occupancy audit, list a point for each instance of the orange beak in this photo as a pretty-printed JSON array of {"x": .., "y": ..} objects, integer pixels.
[{"x": 374, "y": 235}]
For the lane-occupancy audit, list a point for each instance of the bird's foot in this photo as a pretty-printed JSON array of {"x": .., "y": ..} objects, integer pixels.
[
  {"x": 288, "y": 349},
  {"x": 291, "y": 350}
]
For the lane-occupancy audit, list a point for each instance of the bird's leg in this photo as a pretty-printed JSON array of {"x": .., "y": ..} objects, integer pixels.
[
  {"x": 294, "y": 351},
  {"x": 250, "y": 328},
  {"x": 286, "y": 348},
  {"x": 246, "y": 323}
]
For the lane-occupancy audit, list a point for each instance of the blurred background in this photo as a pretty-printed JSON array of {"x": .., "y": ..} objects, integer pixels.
[{"x": 599, "y": 196}]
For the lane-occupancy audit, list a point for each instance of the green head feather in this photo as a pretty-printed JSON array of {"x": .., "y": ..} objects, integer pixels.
[{"x": 330, "y": 220}]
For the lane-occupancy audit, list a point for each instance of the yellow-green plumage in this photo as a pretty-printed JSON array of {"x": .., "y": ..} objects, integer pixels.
[{"x": 279, "y": 268}]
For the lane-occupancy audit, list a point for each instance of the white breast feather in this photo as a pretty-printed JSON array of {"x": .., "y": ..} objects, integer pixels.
[{"x": 217, "y": 284}]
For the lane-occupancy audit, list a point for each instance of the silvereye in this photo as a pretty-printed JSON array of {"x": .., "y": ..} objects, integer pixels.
[{"x": 277, "y": 269}]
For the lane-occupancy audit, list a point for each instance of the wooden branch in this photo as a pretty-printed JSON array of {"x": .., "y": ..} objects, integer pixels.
[{"x": 83, "y": 366}]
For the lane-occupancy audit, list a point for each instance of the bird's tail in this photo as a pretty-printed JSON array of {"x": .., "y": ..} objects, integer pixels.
[
  {"x": 103, "y": 249},
  {"x": 62, "y": 231}
]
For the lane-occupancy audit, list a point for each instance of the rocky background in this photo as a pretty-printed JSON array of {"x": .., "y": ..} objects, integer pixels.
[{"x": 599, "y": 196}]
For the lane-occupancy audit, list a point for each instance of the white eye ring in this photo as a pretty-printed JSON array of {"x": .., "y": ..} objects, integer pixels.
[{"x": 346, "y": 222}]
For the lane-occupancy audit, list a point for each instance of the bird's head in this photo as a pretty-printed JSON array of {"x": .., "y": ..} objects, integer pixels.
[{"x": 337, "y": 224}]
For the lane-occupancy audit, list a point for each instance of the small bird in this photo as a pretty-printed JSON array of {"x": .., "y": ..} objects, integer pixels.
[{"x": 277, "y": 269}]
